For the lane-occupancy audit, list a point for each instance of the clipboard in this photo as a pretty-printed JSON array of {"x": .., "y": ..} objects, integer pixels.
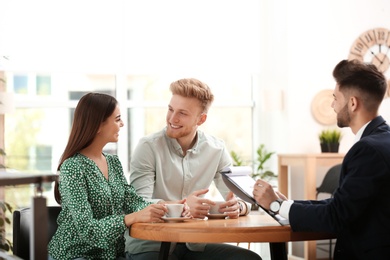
[{"x": 238, "y": 180}]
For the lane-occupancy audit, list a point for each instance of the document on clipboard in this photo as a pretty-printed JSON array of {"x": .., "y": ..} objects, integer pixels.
[{"x": 239, "y": 181}]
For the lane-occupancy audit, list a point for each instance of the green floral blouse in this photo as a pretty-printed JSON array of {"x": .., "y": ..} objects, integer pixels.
[{"x": 91, "y": 223}]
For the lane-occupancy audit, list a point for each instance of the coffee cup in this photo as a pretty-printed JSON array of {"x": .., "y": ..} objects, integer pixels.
[
  {"x": 214, "y": 209},
  {"x": 174, "y": 210}
]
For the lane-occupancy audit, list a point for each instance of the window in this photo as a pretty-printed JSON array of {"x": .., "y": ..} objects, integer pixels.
[
  {"x": 43, "y": 85},
  {"x": 37, "y": 132},
  {"x": 121, "y": 56},
  {"x": 20, "y": 84},
  {"x": 44, "y": 155}
]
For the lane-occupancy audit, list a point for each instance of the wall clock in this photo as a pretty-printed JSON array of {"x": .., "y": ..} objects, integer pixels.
[{"x": 373, "y": 46}]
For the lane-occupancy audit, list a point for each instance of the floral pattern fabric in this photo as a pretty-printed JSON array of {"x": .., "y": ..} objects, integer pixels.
[{"x": 91, "y": 223}]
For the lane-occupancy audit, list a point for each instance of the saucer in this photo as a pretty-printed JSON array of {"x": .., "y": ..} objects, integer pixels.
[
  {"x": 179, "y": 219},
  {"x": 216, "y": 216}
]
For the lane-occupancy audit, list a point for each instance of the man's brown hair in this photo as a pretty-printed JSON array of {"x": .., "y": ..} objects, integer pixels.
[{"x": 190, "y": 87}]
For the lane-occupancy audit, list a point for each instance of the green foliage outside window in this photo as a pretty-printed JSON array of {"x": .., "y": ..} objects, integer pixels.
[
  {"x": 2, "y": 153},
  {"x": 5, "y": 244},
  {"x": 5, "y": 208}
]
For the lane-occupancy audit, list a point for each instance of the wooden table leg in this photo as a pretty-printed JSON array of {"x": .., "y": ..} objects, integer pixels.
[
  {"x": 278, "y": 251},
  {"x": 164, "y": 251}
]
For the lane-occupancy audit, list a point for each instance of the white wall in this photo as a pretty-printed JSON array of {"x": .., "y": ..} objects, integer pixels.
[
  {"x": 305, "y": 40},
  {"x": 290, "y": 46}
]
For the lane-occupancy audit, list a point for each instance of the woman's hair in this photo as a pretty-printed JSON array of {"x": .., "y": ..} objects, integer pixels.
[
  {"x": 363, "y": 79},
  {"x": 193, "y": 88},
  {"x": 92, "y": 110}
]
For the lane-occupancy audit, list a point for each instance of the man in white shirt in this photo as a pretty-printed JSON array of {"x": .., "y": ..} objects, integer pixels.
[{"x": 180, "y": 162}]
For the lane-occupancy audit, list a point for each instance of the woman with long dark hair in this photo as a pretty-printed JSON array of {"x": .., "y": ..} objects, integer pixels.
[{"x": 97, "y": 202}]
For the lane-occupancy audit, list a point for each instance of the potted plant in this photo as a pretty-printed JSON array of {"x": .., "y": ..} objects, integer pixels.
[
  {"x": 259, "y": 164},
  {"x": 330, "y": 140},
  {"x": 262, "y": 158}
]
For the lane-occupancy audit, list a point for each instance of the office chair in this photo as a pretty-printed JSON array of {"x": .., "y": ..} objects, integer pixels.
[
  {"x": 22, "y": 225},
  {"x": 329, "y": 185}
]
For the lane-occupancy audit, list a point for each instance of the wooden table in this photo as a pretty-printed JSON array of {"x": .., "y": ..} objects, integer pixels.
[
  {"x": 38, "y": 243},
  {"x": 256, "y": 227},
  {"x": 310, "y": 162}
]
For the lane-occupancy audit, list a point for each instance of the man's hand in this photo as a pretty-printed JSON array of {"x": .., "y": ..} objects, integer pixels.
[
  {"x": 264, "y": 194},
  {"x": 231, "y": 207},
  {"x": 199, "y": 207}
]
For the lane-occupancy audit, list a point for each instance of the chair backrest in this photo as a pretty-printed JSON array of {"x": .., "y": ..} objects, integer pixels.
[
  {"x": 21, "y": 229},
  {"x": 331, "y": 180}
]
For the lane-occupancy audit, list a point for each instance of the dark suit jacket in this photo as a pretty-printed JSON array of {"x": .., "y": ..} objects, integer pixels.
[{"x": 359, "y": 212}]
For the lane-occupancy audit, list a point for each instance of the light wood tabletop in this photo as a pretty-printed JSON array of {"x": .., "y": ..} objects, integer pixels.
[{"x": 256, "y": 227}]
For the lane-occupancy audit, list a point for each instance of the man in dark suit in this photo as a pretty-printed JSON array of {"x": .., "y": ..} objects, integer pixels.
[{"x": 359, "y": 212}]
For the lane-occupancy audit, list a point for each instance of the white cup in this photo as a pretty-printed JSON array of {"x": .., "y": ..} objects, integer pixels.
[
  {"x": 174, "y": 210},
  {"x": 214, "y": 209}
]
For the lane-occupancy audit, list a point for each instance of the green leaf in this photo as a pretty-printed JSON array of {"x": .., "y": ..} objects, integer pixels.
[
  {"x": 9, "y": 207},
  {"x": 6, "y": 247},
  {"x": 263, "y": 156},
  {"x": 237, "y": 161},
  {"x": 330, "y": 136}
]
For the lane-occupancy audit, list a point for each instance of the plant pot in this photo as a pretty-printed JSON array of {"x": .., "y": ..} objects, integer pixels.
[{"x": 330, "y": 147}]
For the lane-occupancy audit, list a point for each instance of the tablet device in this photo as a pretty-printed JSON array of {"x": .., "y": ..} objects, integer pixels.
[{"x": 238, "y": 180}]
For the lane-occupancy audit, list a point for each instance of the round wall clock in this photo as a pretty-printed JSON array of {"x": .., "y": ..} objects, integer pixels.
[{"x": 373, "y": 46}]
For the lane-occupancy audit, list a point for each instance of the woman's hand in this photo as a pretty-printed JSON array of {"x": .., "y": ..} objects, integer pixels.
[
  {"x": 151, "y": 213},
  {"x": 186, "y": 209}
]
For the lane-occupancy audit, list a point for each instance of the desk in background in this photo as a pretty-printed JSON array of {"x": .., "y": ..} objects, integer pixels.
[
  {"x": 256, "y": 227},
  {"x": 310, "y": 163}
]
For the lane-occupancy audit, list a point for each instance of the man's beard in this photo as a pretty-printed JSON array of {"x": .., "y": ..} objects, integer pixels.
[
  {"x": 177, "y": 134},
  {"x": 343, "y": 118}
]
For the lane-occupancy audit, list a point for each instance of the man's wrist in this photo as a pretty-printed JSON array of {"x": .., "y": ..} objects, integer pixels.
[{"x": 285, "y": 208}]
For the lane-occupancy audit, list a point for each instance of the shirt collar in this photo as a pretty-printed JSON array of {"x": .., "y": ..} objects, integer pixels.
[
  {"x": 360, "y": 132},
  {"x": 177, "y": 146},
  {"x": 194, "y": 148}
]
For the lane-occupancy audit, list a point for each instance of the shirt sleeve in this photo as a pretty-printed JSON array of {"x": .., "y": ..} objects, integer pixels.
[
  {"x": 285, "y": 208},
  {"x": 143, "y": 171},
  {"x": 225, "y": 161}
]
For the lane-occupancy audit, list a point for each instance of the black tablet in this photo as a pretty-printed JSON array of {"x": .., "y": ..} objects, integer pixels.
[{"x": 238, "y": 180}]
